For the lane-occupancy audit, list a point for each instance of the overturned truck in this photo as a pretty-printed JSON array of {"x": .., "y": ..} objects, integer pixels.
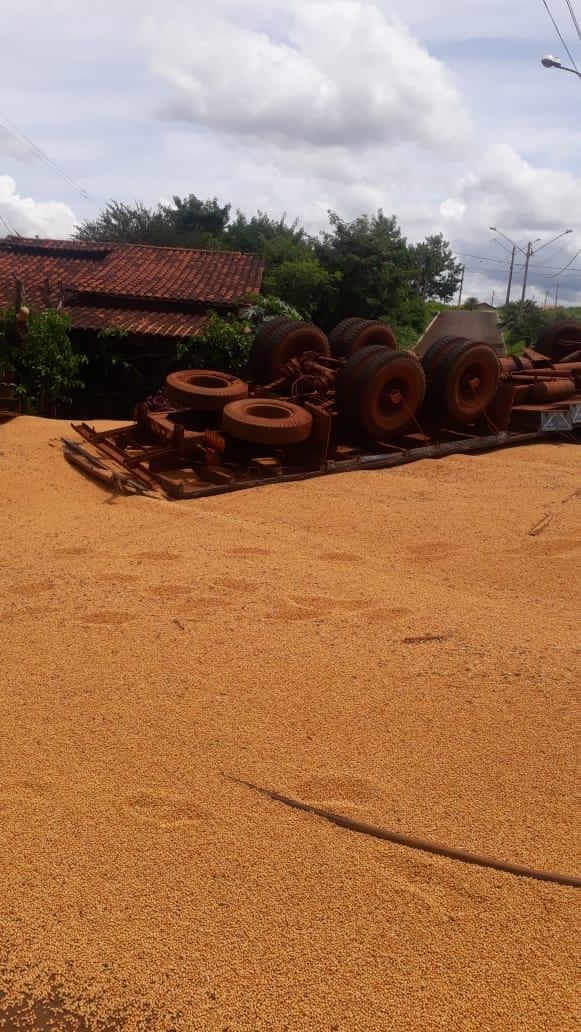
[{"x": 312, "y": 404}]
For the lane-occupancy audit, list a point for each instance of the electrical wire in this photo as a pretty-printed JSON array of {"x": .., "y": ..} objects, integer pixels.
[
  {"x": 11, "y": 232},
  {"x": 14, "y": 131},
  {"x": 574, "y": 18},
  {"x": 518, "y": 265},
  {"x": 558, "y": 31},
  {"x": 568, "y": 265}
]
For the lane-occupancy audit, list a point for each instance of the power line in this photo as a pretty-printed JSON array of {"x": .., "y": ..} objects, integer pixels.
[
  {"x": 569, "y": 264},
  {"x": 518, "y": 265},
  {"x": 11, "y": 232},
  {"x": 14, "y": 131},
  {"x": 558, "y": 31},
  {"x": 574, "y": 17}
]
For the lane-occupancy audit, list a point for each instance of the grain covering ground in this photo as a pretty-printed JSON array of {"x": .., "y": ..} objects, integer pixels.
[{"x": 393, "y": 645}]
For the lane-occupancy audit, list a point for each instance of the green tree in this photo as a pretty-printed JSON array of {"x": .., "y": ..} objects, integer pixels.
[
  {"x": 190, "y": 215},
  {"x": 374, "y": 261},
  {"x": 186, "y": 222},
  {"x": 126, "y": 224},
  {"x": 521, "y": 322},
  {"x": 436, "y": 273},
  {"x": 304, "y": 283},
  {"x": 276, "y": 239}
]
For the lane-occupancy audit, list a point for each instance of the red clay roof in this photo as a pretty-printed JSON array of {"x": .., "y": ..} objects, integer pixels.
[
  {"x": 175, "y": 274},
  {"x": 100, "y": 277},
  {"x": 137, "y": 320}
]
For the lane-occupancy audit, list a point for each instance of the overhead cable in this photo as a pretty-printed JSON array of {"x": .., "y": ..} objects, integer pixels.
[
  {"x": 558, "y": 31},
  {"x": 574, "y": 18},
  {"x": 14, "y": 131}
]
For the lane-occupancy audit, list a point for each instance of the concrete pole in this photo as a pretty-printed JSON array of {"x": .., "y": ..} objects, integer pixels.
[
  {"x": 526, "y": 272},
  {"x": 510, "y": 272},
  {"x": 461, "y": 286}
]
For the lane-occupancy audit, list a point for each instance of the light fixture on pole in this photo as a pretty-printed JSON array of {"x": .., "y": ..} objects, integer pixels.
[
  {"x": 528, "y": 254},
  {"x": 553, "y": 62},
  {"x": 531, "y": 252}
]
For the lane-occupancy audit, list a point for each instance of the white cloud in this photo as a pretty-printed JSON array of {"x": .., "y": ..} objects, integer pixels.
[
  {"x": 344, "y": 75},
  {"x": 28, "y": 217},
  {"x": 517, "y": 194}
]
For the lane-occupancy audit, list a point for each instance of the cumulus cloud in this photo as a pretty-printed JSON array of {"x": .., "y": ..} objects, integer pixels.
[
  {"x": 525, "y": 202},
  {"x": 511, "y": 191},
  {"x": 345, "y": 74},
  {"x": 28, "y": 217}
]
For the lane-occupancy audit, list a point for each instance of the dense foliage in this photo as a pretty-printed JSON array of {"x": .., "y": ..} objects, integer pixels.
[
  {"x": 36, "y": 352},
  {"x": 225, "y": 343}
]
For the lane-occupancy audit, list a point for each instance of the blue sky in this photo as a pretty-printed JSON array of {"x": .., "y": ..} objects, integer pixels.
[{"x": 441, "y": 114}]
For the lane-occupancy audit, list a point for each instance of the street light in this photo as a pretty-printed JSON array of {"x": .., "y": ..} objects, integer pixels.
[
  {"x": 553, "y": 62},
  {"x": 528, "y": 254}
]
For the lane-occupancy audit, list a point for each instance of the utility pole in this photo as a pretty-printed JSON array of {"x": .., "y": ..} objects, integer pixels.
[
  {"x": 556, "y": 293},
  {"x": 528, "y": 257},
  {"x": 528, "y": 254},
  {"x": 510, "y": 272},
  {"x": 461, "y": 286}
]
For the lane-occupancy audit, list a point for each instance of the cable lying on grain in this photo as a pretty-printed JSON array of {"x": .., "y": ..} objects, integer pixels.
[{"x": 424, "y": 845}]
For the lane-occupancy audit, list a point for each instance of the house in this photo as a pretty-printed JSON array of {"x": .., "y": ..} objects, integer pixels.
[
  {"x": 159, "y": 292},
  {"x": 156, "y": 297}
]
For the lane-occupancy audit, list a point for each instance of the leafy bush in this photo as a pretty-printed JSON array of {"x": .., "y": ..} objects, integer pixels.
[
  {"x": 38, "y": 353},
  {"x": 225, "y": 343},
  {"x": 222, "y": 344}
]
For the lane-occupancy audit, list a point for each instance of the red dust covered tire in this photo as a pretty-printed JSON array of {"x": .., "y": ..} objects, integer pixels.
[
  {"x": 267, "y": 421},
  {"x": 286, "y": 340},
  {"x": 379, "y": 391},
  {"x": 203, "y": 390},
  {"x": 352, "y": 335},
  {"x": 261, "y": 346},
  {"x": 559, "y": 340},
  {"x": 392, "y": 390},
  {"x": 465, "y": 381}
]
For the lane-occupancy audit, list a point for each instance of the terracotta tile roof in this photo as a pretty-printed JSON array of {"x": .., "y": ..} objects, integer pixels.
[
  {"x": 137, "y": 320},
  {"x": 113, "y": 280},
  {"x": 176, "y": 274}
]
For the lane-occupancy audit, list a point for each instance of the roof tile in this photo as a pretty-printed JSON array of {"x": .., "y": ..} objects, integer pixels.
[{"x": 96, "y": 277}]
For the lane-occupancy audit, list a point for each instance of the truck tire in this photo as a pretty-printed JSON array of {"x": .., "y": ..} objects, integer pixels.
[
  {"x": 266, "y": 421},
  {"x": 203, "y": 390}
]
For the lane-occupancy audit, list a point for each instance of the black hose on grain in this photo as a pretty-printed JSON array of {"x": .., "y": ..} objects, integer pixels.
[{"x": 412, "y": 842}]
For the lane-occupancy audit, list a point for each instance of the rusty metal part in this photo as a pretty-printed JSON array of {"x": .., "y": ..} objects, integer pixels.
[
  {"x": 164, "y": 427},
  {"x": 215, "y": 440},
  {"x": 536, "y": 357},
  {"x": 574, "y": 357},
  {"x": 270, "y": 353},
  {"x": 204, "y": 390},
  {"x": 552, "y": 390}
]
